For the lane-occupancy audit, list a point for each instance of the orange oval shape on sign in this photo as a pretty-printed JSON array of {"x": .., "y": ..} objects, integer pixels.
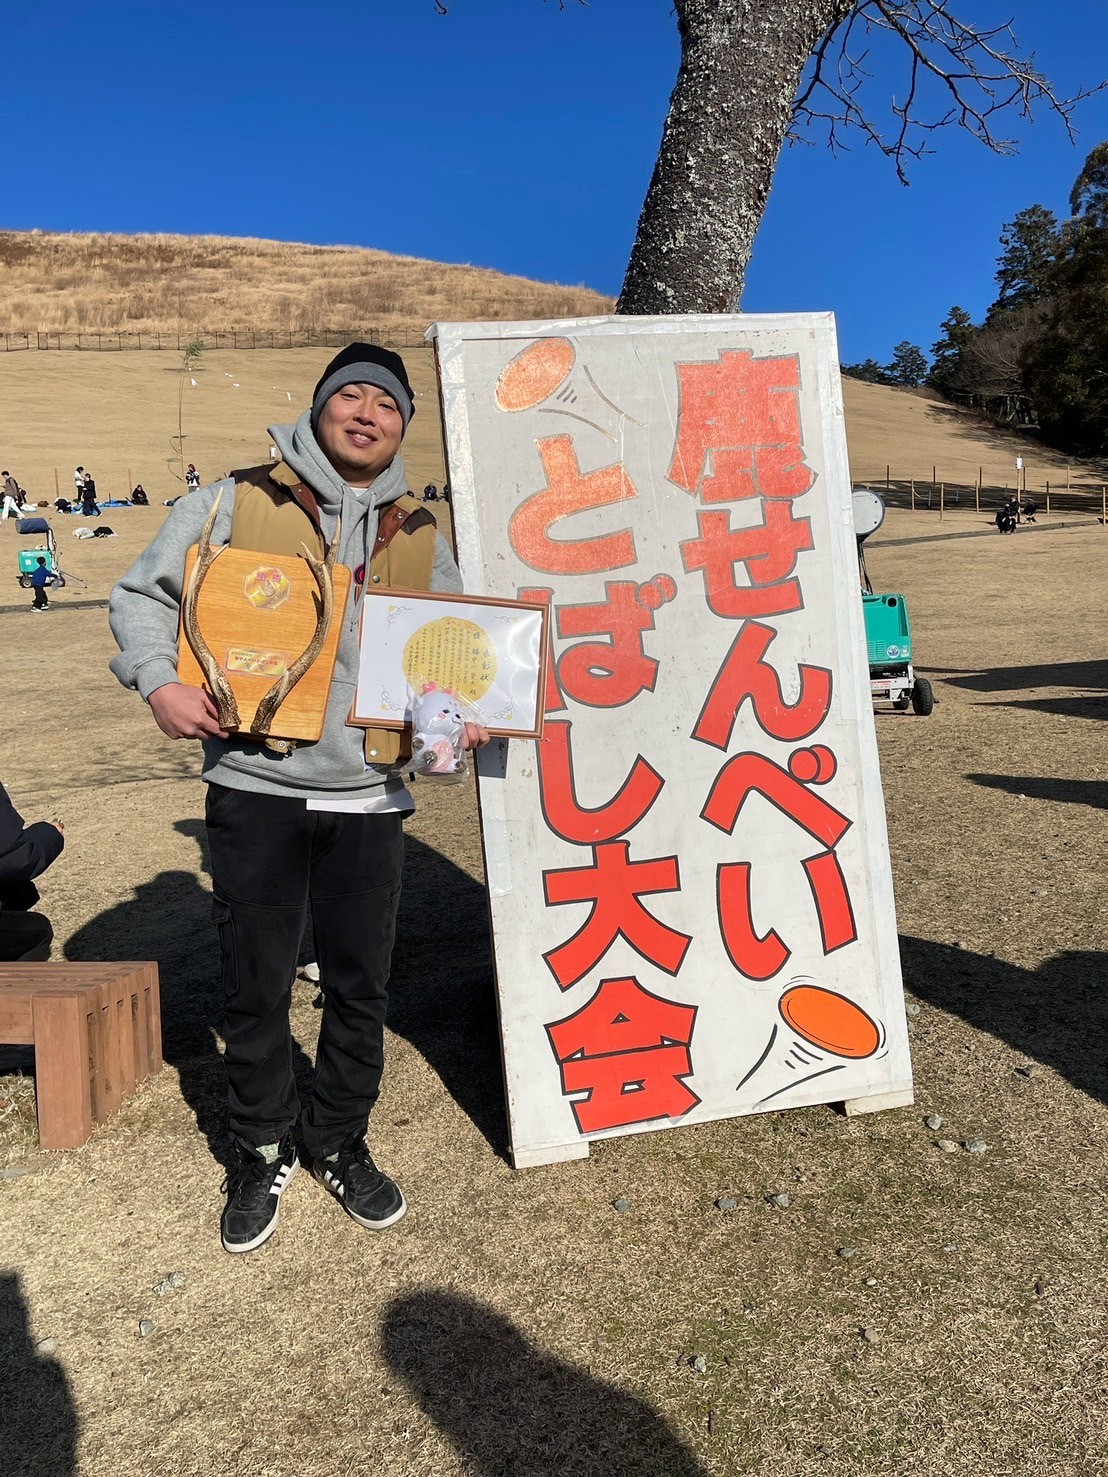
[
  {"x": 534, "y": 373},
  {"x": 830, "y": 1020}
]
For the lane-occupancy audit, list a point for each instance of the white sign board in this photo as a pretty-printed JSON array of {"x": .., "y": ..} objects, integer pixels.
[{"x": 691, "y": 897}]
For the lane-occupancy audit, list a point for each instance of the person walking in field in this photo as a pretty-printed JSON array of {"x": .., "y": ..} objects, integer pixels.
[
  {"x": 320, "y": 825},
  {"x": 192, "y": 478},
  {"x": 12, "y": 499},
  {"x": 40, "y": 578}
]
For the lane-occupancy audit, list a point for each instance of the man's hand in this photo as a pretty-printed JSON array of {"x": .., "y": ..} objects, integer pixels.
[
  {"x": 186, "y": 712},
  {"x": 476, "y": 734}
]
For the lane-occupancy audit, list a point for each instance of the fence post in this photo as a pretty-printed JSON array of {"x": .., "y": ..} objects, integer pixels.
[
  {"x": 942, "y": 500},
  {"x": 913, "y": 494},
  {"x": 1104, "y": 507},
  {"x": 886, "y": 479},
  {"x": 1048, "y": 497},
  {"x": 977, "y": 493}
]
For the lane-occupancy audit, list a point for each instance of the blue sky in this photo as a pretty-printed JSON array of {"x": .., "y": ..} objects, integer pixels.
[{"x": 507, "y": 134}]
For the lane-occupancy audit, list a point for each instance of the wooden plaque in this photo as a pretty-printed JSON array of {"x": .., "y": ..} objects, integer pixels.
[{"x": 258, "y": 612}]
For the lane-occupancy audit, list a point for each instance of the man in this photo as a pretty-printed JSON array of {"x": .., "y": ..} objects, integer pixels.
[
  {"x": 321, "y": 824},
  {"x": 40, "y": 578},
  {"x": 12, "y": 498},
  {"x": 90, "y": 508}
]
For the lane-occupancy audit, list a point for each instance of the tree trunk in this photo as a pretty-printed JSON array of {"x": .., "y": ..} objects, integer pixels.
[{"x": 741, "y": 66}]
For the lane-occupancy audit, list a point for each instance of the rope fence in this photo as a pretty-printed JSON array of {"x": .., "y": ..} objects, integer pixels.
[{"x": 1060, "y": 492}]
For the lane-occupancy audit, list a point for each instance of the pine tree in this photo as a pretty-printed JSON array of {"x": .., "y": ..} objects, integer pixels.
[
  {"x": 868, "y": 370},
  {"x": 1064, "y": 367},
  {"x": 948, "y": 351},
  {"x": 909, "y": 365},
  {"x": 1029, "y": 243}
]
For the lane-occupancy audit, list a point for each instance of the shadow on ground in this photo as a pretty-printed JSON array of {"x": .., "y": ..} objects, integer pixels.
[
  {"x": 168, "y": 919},
  {"x": 1092, "y": 676},
  {"x": 1019, "y": 679},
  {"x": 1032, "y": 787},
  {"x": 1056, "y": 1014},
  {"x": 511, "y": 1410},
  {"x": 38, "y": 1419},
  {"x": 441, "y": 995}
]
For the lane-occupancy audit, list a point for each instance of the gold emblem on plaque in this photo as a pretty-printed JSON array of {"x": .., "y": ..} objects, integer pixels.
[{"x": 267, "y": 588}]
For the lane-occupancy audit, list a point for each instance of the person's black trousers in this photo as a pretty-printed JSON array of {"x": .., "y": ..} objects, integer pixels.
[
  {"x": 24, "y": 936},
  {"x": 40, "y": 601},
  {"x": 270, "y": 857}
]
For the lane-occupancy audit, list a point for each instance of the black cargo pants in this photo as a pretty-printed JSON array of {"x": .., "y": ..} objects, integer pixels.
[{"x": 270, "y": 857}]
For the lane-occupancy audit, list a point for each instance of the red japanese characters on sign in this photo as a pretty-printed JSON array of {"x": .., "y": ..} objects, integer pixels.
[
  {"x": 628, "y": 1052},
  {"x": 626, "y": 1055},
  {"x": 738, "y": 438}
]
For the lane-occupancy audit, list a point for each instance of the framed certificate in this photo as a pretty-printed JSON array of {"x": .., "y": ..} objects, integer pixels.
[{"x": 491, "y": 653}]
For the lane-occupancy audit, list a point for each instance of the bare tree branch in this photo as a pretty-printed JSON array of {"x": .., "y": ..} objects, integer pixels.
[{"x": 957, "y": 73}]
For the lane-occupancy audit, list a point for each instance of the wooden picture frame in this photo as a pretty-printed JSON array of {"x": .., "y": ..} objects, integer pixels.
[{"x": 512, "y": 637}]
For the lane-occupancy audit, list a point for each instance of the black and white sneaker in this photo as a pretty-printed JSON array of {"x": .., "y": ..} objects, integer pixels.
[
  {"x": 254, "y": 1188},
  {"x": 364, "y": 1192}
]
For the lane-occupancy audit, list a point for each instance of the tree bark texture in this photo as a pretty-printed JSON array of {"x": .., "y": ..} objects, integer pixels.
[{"x": 741, "y": 67}]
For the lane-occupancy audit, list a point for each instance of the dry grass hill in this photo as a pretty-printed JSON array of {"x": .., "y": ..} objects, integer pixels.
[{"x": 52, "y": 282}]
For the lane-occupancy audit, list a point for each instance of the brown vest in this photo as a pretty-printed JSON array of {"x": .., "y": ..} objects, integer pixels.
[{"x": 276, "y": 513}]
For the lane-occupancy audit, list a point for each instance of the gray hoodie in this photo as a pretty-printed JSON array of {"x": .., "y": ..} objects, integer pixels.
[{"x": 145, "y": 612}]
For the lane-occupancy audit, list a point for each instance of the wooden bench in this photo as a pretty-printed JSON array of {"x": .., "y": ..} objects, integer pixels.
[{"x": 97, "y": 1033}]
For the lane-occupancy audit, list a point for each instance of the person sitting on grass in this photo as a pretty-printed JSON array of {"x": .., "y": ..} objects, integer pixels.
[{"x": 25, "y": 852}]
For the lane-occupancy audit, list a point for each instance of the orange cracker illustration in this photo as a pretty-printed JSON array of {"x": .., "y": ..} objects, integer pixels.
[{"x": 534, "y": 373}]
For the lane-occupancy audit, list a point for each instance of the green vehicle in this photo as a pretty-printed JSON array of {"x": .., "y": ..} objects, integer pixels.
[
  {"x": 892, "y": 677},
  {"x": 47, "y": 549}
]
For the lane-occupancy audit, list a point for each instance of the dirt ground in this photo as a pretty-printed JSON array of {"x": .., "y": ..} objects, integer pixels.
[{"x": 517, "y": 1323}]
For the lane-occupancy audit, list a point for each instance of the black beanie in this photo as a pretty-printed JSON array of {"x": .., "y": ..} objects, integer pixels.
[{"x": 365, "y": 364}]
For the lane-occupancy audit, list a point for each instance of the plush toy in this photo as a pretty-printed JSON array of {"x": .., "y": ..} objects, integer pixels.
[{"x": 438, "y": 727}]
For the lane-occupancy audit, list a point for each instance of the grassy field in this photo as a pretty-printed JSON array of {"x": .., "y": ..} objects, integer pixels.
[{"x": 519, "y": 1324}]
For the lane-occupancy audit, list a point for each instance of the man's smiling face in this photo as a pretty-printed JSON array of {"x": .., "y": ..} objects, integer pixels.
[{"x": 360, "y": 430}]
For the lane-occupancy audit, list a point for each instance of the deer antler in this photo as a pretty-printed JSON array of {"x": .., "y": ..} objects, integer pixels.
[
  {"x": 322, "y": 571},
  {"x": 214, "y": 674}
]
